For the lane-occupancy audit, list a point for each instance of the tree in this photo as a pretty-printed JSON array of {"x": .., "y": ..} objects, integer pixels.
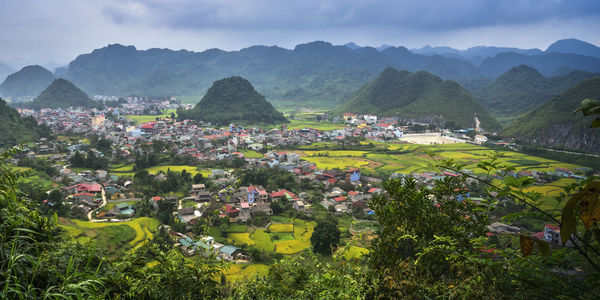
[{"x": 325, "y": 237}]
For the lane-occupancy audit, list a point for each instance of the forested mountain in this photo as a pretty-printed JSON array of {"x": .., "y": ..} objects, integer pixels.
[
  {"x": 26, "y": 83},
  {"x": 523, "y": 88},
  {"x": 553, "y": 123},
  {"x": 233, "y": 99},
  {"x": 317, "y": 73},
  {"x": 16, "y": 130},
  {"x": 5, "y": 70},
  {"x": 61, "y": 94},
  {"x": 574, "y": 46},
  {"x": 418, "y": 96},
  {"x": 474, "y": 55}
]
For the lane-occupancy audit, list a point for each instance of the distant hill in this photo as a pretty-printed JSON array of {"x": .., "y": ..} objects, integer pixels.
[
  {"x": 5, "y": 70},
  {"x": 553, "y": 124},
  {"x": 523, "y": 88},
  {"x": 418, "y": 96},
  {"x": 61, "y": 94},
  {"x": 16, "y": 130},
  {"x": 574, "y": 46},
  {"x": 312, "y": 74},
  {"x": 26, "y": 83},
  {"x": 233, "y": 99}
]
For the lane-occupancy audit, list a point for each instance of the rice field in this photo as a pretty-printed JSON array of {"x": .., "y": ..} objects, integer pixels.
[
  {"x": 286, "y": 238},
  {"x": 337, "y": 162},
  {"x": 281, "y": 228},
  {"x": 114, "y": 237},
  {"x": 236, "y": 272},
  {"x": 240, "y": 238},
  {"x": 149, "y": 118}
]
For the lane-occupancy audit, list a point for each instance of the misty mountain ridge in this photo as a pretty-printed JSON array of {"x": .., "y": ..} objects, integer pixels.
[
  {"x": 27, "y": 83},
  {"x": 523, "y": 88},
  {"x": 61, "y": 94}
]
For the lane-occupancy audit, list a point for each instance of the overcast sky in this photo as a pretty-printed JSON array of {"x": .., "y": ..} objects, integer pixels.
[{"x": 54, "y": 32}]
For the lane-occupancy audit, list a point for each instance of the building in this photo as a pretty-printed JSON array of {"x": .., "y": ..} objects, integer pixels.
[
  {"x": 196, "y": 188},
  {"x": 257, "y": 194}
]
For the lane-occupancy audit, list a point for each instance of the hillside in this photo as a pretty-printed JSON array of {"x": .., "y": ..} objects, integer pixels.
[
  {"x": 553, "y": 123},
  {"x": 61, "y": 94},
  {"x": 16, "y": 130},
  {"x": 26, "y": 83},
  {"x": 418, "y": 96},
  {"x": 316, "y": 73},
  {"x": 233, "y": 99},
  {"x": 574, "y": 46},
  {"x": 523, "y": 88}
]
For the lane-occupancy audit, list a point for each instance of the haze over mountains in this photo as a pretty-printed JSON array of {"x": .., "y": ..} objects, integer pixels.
[
  {"x": 28, "y": 82},
  {"x": 316, "y": 72}
]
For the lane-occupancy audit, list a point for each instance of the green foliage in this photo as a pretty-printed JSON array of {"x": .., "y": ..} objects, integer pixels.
[
  {"x": 62, "y": 94},
  {"x": 417, "y": 95},
  {"x": 270, "y": 178},
  {"x": 326, "y": 237},
  {"x": 16, "y": 130},
  {"x": 88, "y": 160},
  {"x": 230, "y": 100},
  {"x": 590, "y": 107}
]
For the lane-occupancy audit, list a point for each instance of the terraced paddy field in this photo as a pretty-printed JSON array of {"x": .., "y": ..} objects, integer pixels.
[
  {"x": 113, "y": 237},
  {"x": 236, "y": 272},
  {"x": 284, "y": 238}
]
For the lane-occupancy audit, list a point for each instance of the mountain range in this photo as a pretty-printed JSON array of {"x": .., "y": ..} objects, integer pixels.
[
  {"x": 418, "y": 97},
  {"x": 233, "y": 100},
  {"x": 523, "y": 88},
  {"x": 553, "y": 124}
]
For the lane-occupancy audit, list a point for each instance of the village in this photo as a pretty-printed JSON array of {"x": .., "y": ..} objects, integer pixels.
[{"x": 342, "y": 192}]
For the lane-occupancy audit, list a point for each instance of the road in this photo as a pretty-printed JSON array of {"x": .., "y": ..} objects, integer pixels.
[{"x": 104, "y": 202}]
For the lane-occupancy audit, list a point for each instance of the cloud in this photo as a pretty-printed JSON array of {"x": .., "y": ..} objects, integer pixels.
[
  {"x": 311, "y": 14},
  {"x": 33, "y": 31}
]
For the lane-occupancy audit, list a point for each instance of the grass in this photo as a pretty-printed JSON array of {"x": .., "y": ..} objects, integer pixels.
[
  {"x": 326, "y": 126},
  {"x": 236, "y": 228},
  {"x": 190, "y": 169},
  {"x": 188, "y": 203},
  {"x": 240, "y": 238},
  {"x": 149, "y": 118},
  {"x": 291, "y": 246},
  {"x": 262, "y": 240},
  {"x": 281, "y": 227},
  {"x": 251, "y": 153}
]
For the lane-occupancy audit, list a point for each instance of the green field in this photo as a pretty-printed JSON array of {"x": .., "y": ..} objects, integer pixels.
[
  {"x": 284, "y": 238},
  {"x": 243, "y": 271},
  {"x": 149, "y": 118},
  {"x": 251, "y": 154},
  {"x": 112, "y": 237},
  {"x": 127, "y": 170},
  {"x": 300, "y": 124}
]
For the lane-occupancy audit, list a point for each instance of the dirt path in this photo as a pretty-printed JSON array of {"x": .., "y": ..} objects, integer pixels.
[{"x": 104, "y": 202}]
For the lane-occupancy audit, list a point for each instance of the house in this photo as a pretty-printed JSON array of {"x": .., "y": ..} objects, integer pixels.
[
  {"x": 231, "y": 211},
  {"x": 283, "y": 193},
  {"x": 229, "y": 253},
  {"x": 552, "y": 234},
  {"x": 187, "y": 214},
  {"x": 196, "y": 188},
  {"x": 203, "y": 196},
  {"x": 298, "y": 205},
  {"x": 84, "y": 197},
  {"x": 257, "y": 194},
  {"x": 121, "y": 209},
  {"x": 244, "y": 211},
  {"x": 353, "y": 175}
]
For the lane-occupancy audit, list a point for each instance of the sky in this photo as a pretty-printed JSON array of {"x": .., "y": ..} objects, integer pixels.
[{"x": 53, "y": 32}]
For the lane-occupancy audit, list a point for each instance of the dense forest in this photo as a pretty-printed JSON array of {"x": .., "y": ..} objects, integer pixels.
[{"x": 231, "y": 100}]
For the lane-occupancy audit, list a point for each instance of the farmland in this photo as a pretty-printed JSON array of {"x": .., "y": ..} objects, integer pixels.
[
  {"x": 112, "y": 237},
  {"x": 127, "y": 170},
  {"x": 283, "y": 238},
  {"x": 149, "y": 118}
]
